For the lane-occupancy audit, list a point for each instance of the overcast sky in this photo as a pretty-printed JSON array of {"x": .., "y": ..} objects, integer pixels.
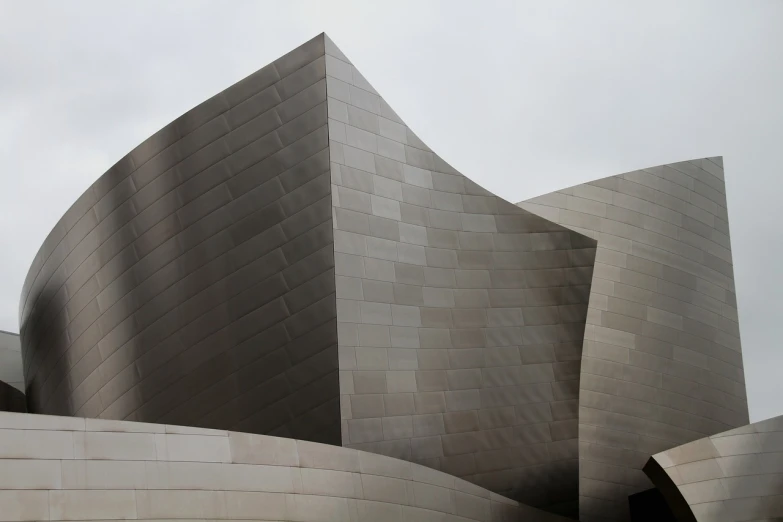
[{"x": 525, "y": 97}]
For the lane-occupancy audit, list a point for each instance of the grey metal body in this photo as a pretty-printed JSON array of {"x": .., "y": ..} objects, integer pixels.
[
  {"x": 289, "y": 258},
  {"x": 11, "y": 360},
  {"x": 208, "y": 278},
  {"x": 193, "y": 283},
  {"x": 662, "y": 360},
  {"x": 733, "y": 476},
  {"x": 64, "y": 468},
  {"x": 460, "y": 316}
]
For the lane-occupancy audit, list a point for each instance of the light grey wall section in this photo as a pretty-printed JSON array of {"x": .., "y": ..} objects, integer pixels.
[
  {"x": 193, "y": 283},
  {"x": 730, "y": 477},
  {"x": 61, "y": 468},
  {"x": 11, "y": 360},
  {"x": 460, "y": 316},
  {"x": 662, "y": 361}
]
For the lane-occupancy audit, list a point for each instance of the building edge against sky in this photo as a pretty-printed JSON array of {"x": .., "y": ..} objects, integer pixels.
[
  {"x": 11, "y": 360},
  {"x": 11, "y": 378},
  {"x": 288, "y": 258},
  {"x": 734, "y": 475},
  {"x": 460, "y": 317},
  {"x": 662, "y": 359}
]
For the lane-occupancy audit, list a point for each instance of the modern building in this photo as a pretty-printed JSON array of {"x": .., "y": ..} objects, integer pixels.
[
  {"x": 734, "y": 475},
  {"x": 285, "y": 306},
  {"x": 662, "y": 360},
  {"x": 11, "y": 360},
  {"x": 11, "y": 378}
]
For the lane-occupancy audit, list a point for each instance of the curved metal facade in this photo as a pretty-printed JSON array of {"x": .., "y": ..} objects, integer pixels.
[
  {"x": 11, "y": 360},
  {"x": 208, "y": 278},
  {"x": 662, "y": 361},
  {"x": 59, "y": 468},
  {"x": 734, "y": 476},
  {"x": 193, "y": 283},
  {"x": 288, "y": 258},
  {"x": 460, "y": 316}
]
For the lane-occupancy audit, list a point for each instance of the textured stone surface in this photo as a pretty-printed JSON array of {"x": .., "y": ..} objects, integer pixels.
[
  {"x": 662, "y": 360},
  {"x": 249, "y": 477},
  {"x": 734, "y": 476}
]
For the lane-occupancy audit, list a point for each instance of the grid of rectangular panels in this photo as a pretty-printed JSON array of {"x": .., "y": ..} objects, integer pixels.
[
  {"x": 662, "y": 361},
  {"x": 733, "y": 476},
  {"x": 460, "y": 316},
  {"x": 194, "y": 281},
  {"x": 61, "y": 468},
  {"x": 11, "y": 360}
]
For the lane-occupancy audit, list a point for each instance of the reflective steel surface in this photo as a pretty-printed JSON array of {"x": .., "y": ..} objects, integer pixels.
[
  {"x": 734, "y": 476},
  {"x": 289, "y": 258},
  {"x": 460, "y": 316},
  {"x": 63, "y": 468},
  {"x": 662, "y": 360},
  {"x": 11, "y": 360},
  {"x": 193, "y": 283}
]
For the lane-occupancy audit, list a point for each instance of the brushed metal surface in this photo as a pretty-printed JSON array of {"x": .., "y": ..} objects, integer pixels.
[
  {"x": 289, "y": 258},
  {"x": 64, "y": 468},
  {"x": 460, "y": 316},
  {"x": 207, "y": 278},
  {"x": 11, "y": 360},
  {"x": 193, "y": 282},
  {"x": 733, "y": 476},
  {"x": 662, "y": 359}
]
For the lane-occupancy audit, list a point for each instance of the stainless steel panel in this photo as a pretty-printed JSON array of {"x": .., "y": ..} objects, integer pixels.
[
  {"x": 729, "y": 476},
  {"x": 474, "y": 284},
  {"x": 652, "y": 361},
  {"x": 226, "y": 247},
  {"x": 216, "y": 277}
]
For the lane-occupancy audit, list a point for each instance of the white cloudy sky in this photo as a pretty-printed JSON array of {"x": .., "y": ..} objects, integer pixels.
[{"x": 525, "y": 97}]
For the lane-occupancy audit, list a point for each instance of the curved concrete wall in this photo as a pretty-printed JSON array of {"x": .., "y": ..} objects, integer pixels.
[
  {"x": 662, "y": 361},
  {"x": 730, "y": 477},
  {"x": 460, "y": 316},
  {"x": 61, "y": 468},
  {"x": 193, "y": 282}
]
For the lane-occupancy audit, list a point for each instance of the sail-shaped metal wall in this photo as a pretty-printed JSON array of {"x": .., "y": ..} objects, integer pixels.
[
  {"x": 460, "y": 316},
  {"x": 209, "y": 277},
  {"x": 662, "y": 360},
  {"x": 731, "y": 476},
  {"x": 193, "y": 283},
  {"x": 289, "y": 258}
]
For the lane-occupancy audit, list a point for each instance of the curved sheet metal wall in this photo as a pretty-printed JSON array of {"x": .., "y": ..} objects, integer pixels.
[
  {"x": 734, "y": 476},
  {"x": 662, "y": 361},
  {"x": 11, "y": 360},
  {"x": 193, "y": 283},
  {"x": 460, "y": 316},
  {"x": 292, "y": 226},
  {"x": 60, "y": 468}
]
